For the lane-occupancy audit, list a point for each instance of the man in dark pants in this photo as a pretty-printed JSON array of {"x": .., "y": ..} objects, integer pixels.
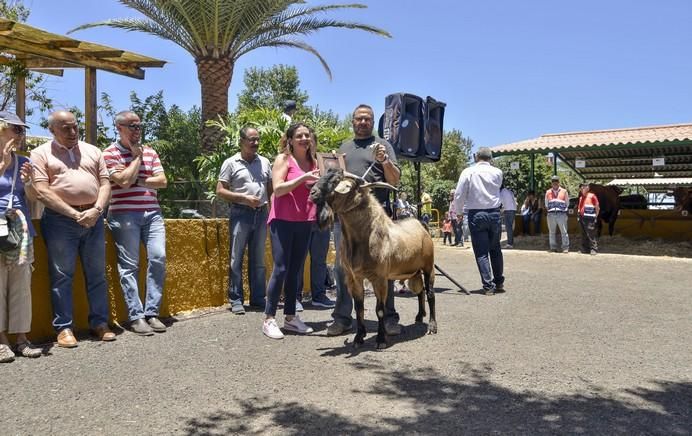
[
  {"x": 479, "y": 190},
  {"x": 587, "y": 215},
  {"x": 373, "y": 159}
]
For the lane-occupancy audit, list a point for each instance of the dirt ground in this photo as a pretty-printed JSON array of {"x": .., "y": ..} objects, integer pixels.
[{"x": 578, "y": 344}]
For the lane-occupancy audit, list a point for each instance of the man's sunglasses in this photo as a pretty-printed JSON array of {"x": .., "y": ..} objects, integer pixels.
[
  {"x": 135, "y": 127},
  {"x": 19, "y": 130}
]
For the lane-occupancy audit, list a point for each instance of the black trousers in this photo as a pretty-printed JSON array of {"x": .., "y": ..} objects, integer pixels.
[{"x": 589, "y": 234}]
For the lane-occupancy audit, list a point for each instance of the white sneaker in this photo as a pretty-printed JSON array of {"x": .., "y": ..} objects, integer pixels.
[
  {"x": 271, "y": 329},
  {"x": 299, "y": 306},
  {"x": 297, "y": 325}
]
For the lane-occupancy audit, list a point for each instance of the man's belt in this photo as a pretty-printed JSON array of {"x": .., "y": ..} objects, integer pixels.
[
  {"x": 83, "y": 207},
  {"x": 253, "y": 209}
]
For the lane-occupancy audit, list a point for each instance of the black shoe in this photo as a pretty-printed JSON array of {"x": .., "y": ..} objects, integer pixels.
[
  {"x": 141, "y": 327},
  {"x": 499, "y": 289}
]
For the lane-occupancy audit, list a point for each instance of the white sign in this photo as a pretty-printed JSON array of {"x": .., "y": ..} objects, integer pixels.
[
  {"x": 514, "y": 165},
  {"x": 580, "y": 163},
  {"x": 659, "y": 161}
]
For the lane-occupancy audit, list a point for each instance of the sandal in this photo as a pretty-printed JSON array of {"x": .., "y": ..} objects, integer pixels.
[
  {"x": 6, "y": 354},
  {"x": 27, "y": 349}
]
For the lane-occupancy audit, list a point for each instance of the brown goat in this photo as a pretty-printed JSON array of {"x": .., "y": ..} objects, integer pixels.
[{"x": 374, "y": 247}]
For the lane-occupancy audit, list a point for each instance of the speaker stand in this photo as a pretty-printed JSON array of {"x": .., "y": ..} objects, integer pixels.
[{"x": 416, "y": 166}]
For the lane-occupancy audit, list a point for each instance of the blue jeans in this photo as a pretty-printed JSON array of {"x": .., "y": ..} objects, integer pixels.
[
  {"x": 319, "y": 247},
  {"x": 485, "y": 238},
  {"x": 64, "y": 239},
  {"x": 530, "y": 218},
  {"x": 557, "y": 221},
  {"x": 248, "y": 228},
  {"x": 344, "y": 301},
  {"x": 128, "y": 229},
  {"x": 290, "y": 243},
  {"x": 509, "y": 225}
]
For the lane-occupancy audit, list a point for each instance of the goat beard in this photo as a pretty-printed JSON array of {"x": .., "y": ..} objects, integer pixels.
[{"x": 325, "y": 216}]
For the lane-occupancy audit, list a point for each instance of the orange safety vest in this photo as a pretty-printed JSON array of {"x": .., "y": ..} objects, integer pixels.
[
  {"x": 557, "y": 202},
  {"x": 587, "y": 205}
]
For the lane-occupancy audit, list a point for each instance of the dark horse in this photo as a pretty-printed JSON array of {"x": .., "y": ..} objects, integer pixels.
[{"x": 609, "y": 201}]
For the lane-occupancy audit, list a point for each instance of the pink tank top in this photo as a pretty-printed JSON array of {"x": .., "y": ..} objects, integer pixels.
[{"x": 296, "y": 205}]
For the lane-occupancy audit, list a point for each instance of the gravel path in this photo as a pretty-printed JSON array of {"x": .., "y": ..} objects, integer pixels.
[{"x": 577, "y": 344}]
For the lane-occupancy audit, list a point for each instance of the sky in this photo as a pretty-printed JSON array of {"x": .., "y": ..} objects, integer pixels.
[{"x": 508, "y": 70}]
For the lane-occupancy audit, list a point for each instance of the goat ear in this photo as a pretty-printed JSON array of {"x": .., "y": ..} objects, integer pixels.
[
  {"x": 380, "y": 185},
  {"x": 343, "y": 187}
]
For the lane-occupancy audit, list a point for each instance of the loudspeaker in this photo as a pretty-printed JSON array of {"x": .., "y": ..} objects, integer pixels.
[
  {"x": 401, "y": 124},
  {"x": 433, "y": 116},
  {"x": 413, "y": 126}
]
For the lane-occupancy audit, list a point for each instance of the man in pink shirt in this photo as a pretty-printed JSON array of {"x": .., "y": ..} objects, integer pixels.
[{"x": 71, "y": 180}]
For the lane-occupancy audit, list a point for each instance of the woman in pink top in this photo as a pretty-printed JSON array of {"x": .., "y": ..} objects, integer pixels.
[{"x": 290, "y": 219}]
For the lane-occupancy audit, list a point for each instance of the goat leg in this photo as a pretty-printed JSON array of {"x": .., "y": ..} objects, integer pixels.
[
  {"x": 358, "y": 302},
  {"x": 381, "y": 333},
  {"x": 421, "y": 307},
  {"x": 430, "y": 293}
]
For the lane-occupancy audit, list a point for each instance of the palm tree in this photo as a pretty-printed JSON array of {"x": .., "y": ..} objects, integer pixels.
[{"x": 218, "y": 32}]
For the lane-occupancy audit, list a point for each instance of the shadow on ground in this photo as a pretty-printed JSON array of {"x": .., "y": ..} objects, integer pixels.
[{"x": 474, "y": 405}]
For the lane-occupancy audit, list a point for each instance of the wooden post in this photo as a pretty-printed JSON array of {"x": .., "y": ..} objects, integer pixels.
[
  {"x": 20, "y": 105},
  {"x": 90, "y": 105}
]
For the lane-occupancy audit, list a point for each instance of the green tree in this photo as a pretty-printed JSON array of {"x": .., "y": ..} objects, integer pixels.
[
  {"x": 270, "y": 88},
  {"x": 11, "y": 70},
  {"x": 218, "y": 32}
]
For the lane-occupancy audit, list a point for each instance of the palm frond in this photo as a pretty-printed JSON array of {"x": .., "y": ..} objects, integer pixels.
[{"x": 292, "y": 43}]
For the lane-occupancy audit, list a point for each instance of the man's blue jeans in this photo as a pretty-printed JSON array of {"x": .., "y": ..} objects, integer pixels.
[
  {"x": 248, "y": 228},
  {"x": 485, "y": 238},
  {"x": 319, "y": 246},
  {"x": 128, "y": 229},
  {"x": 344, "y": 301},
  {"x": 64, "y": 239}
]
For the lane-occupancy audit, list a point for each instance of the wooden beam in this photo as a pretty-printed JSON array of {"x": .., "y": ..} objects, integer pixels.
[
  {"x": 87, "y": 61},
  {"x": 6, "y": 25},
  {"x": 90, "y": 105},
  {"x": 104, "y": 53},
  {"x": 62, "y": 43},
  {"x": 50, "y": 71}
]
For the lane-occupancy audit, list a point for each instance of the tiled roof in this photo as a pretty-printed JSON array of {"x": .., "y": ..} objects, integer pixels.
[{"x": 638, "y": 135}]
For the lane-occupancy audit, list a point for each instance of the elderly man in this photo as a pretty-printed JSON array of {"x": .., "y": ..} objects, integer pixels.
[
  {"x": 133, "y": 216},
  {"x": 479, "y": 190},
  {"x": 373, "y": 159},
  {"x": 71, "y": 179},
  {"x": 556, "y": 202},
  {"x": 246, "y": 182}
]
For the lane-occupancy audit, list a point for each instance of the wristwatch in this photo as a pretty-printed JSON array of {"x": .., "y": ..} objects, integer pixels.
[{"x": 99, "y": 208}]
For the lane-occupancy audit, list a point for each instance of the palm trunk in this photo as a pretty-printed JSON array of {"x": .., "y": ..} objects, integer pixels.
[{"x": 215, "y": 77}]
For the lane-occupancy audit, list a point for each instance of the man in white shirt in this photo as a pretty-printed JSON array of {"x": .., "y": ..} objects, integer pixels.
[{"x": 479, "y": 190}]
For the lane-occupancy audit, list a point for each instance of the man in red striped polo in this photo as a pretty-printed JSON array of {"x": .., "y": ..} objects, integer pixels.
[{"x": 134, "y": 215}]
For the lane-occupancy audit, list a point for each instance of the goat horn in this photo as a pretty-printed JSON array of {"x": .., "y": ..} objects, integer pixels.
[{"x": 380, "y": 185}]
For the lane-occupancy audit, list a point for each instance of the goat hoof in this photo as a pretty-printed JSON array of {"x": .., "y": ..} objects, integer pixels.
[
  {"x": 432, "y": 328},
  {"x": 381, "y": 345},
  {"x": 358, "y": 341}
]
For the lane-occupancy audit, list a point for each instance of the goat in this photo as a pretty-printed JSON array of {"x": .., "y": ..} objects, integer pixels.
[{"x": 374, "y": 247}]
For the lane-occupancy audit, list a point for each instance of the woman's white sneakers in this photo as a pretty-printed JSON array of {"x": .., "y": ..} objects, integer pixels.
[
  {"x": 271, "y": 330},
  {"x": 296, "y": 325}
]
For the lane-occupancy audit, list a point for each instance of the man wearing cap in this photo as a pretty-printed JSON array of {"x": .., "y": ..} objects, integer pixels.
[
  {"x": 587, "y": 215},
  {"x": 556, "y": 202},
  {"x": 479, "y": 190},
  {"x": 71, "y": 180}
]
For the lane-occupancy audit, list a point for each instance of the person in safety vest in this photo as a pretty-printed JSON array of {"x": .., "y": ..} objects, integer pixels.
[
  {"x": 587, "y": 215},
  {"x": 556, "y": 202}
]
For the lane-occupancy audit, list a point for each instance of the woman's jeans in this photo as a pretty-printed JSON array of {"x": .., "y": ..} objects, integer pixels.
[
  {"x": 509, "y": 225},
  {"x": 65, "y": 239},
  {"x": 290, "y": 243},
  {"x": 128, "y": 229}
]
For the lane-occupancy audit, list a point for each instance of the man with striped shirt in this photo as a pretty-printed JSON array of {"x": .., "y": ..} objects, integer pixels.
[{"x": 134, "y": 215}]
